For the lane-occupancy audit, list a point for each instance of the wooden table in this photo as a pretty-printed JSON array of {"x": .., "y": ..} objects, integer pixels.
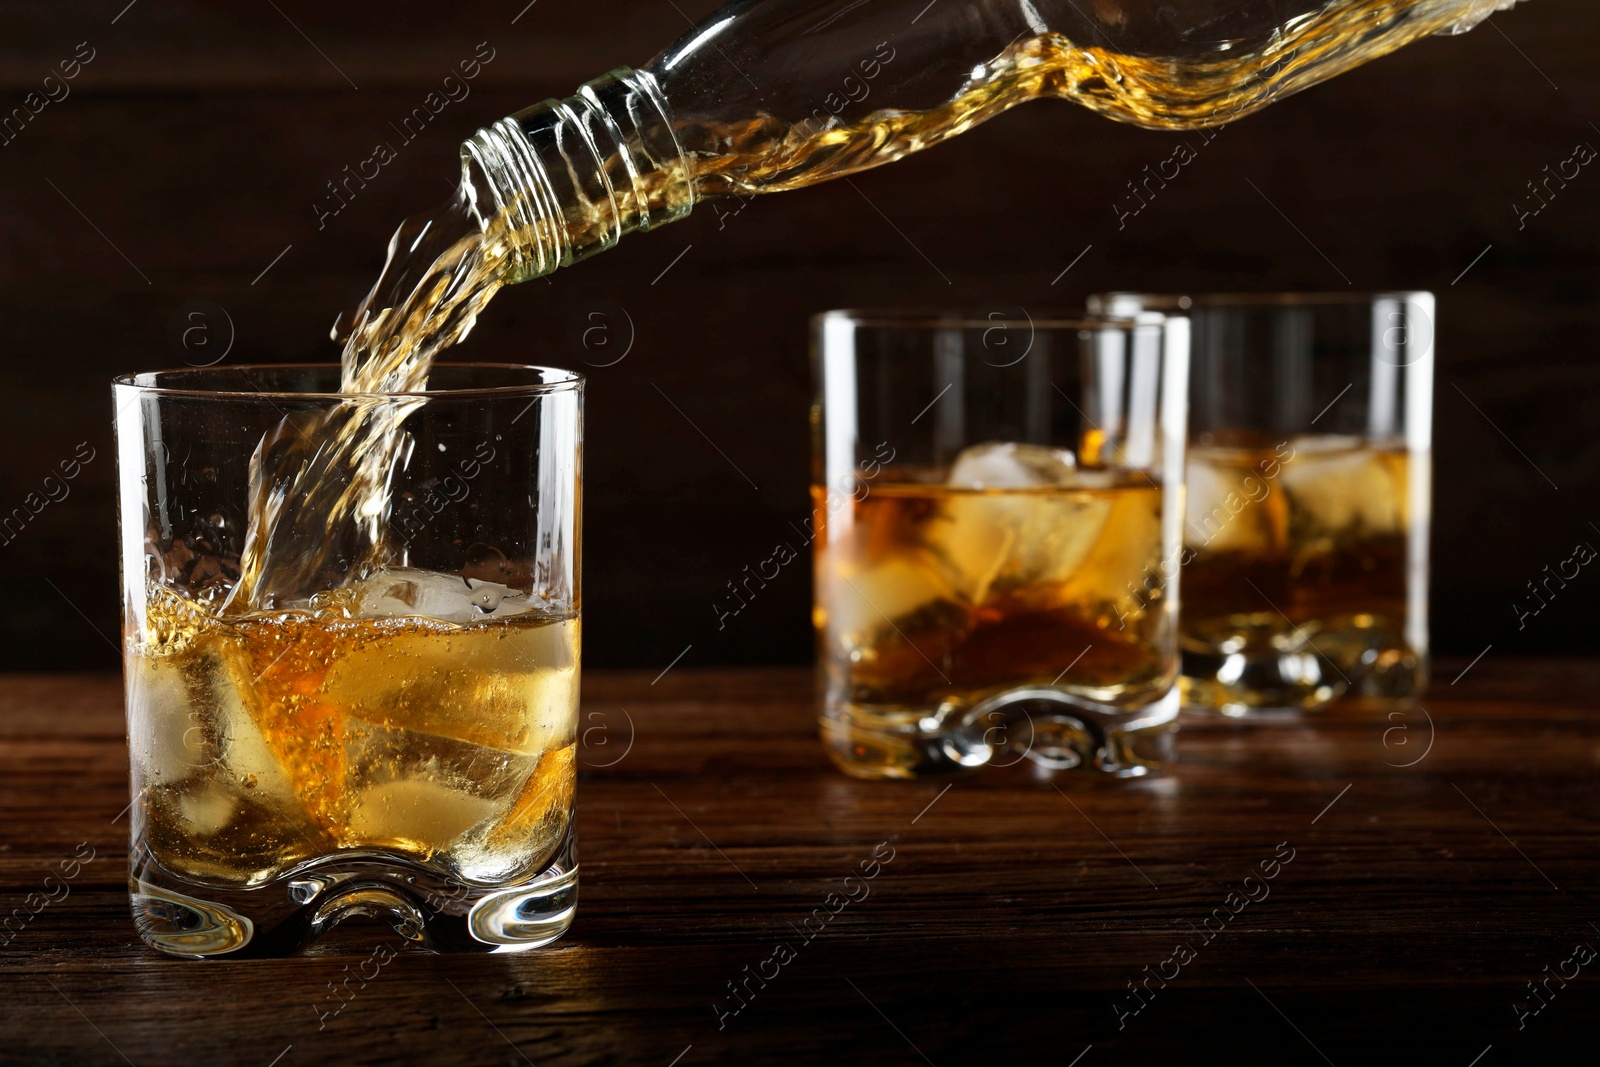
[{"x": 1408, "y": 909}]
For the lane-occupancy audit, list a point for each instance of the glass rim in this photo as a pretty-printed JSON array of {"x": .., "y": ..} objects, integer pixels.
[
  {"x": 145, "y": 382},
  {"x": 967, "y": 318},
  {"x": 1265, "y": 299}
]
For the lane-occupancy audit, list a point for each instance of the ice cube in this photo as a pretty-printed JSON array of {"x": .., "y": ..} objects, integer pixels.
[
  {"x": 1101, "y": 543},
  {"x": 245, "y": 758},
  {"x": 1231, "y": 504},
  {"x": 993, "y": 543},
  {"x": 510, "y": 687},
  {"x": 1342, "y": 485},
  {"x": 206, "y": 808},
  {"x": 188, "y": 717},
  {"x": 1002, "y": 541},
  {"x": 997, "y": 465},
  {"x": 505, "y": 847},
  {"x": 446, "y": 597},
  {"x": 1320, "y": 444},
  {"x": 867, "y": 601},
  {"x": 161, "y": 730},
  {"x": 415, "y": 813},
  {"x": 974, "y": 539}
]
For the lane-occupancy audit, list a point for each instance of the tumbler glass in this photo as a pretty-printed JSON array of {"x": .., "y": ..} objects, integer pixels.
[
  {"x": 351, "y": 686},
  {"x": 996, "y": 517},
  {"x": 1306, "y": 559}
]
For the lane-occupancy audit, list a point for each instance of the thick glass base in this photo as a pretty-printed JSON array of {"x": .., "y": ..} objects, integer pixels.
[
  {"x": 1270, "y": 670},
  {"x": 1056, "y": 731},
  {"x": 284, "y": 917}
]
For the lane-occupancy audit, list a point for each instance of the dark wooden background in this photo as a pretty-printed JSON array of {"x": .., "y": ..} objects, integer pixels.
[{"x": 192, "y": 149}]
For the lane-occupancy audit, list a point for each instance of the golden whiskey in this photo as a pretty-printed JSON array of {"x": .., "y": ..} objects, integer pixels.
[
  {"x": 932, "y": 598},
  {"x": 1297, "y": 556},
  {"x": 271, "y": 740}
]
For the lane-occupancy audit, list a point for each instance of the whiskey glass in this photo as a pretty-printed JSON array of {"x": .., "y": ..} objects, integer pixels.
[
  {"x": 396, "y": 739},
  {"x": 997, "y": 500},
  {"x": 1309, "y": 494}
]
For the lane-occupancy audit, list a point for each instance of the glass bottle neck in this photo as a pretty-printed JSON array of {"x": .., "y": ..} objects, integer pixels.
[{"x": 565, "y": 179}]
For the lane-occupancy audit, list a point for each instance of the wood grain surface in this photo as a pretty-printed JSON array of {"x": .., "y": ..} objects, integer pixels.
[{"x": 1441, "y": 861}]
